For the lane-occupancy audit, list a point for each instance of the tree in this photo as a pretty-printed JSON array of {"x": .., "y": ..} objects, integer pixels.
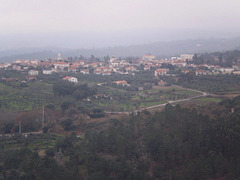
[
  {"x": 63, "y": 88},
  {"x": 30, "y": 121},
  {"x": 8, "y": 127}
]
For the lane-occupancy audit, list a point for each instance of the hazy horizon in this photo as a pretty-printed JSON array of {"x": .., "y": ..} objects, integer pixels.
[
  {"x": 93, "y": 24},
  {"x": 74, "y": 40}
]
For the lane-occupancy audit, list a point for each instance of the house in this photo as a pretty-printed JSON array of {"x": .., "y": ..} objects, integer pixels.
[
  {"x": 200, "y": 72},
  {"x": 161, "y": 71},
  {"x": 84, "y": 71},
  {"x": 31, "y": 78},
  {"x": 112, "y": 59},
  {"x": 179, "y": 63},
  {"x": 61, "y": 65},
  {"x": 226, "y": 70},
  {"x": 186, "y": 71},
  {"x": 55, "y": 70},
  {"x": 236, "y": 72},
  {"x": 123, "y": 83},
  {"x": 147, "y": 67},
  {"x": 94, "y": 65},
  {"x": 217, "y": 67},
  {"x": 236, "y": 67},
  {"x": 131, "y": 68},
  {"x": 72, "y": 69},
  {"x": 106, "y": 73},
  {"x": 71, "y": 79},
  {"x": 187, "y": 56},
  {"x": 9, "y": 79},
  {"x": 16, "y": 67},
  {"x": 47, "y": 71},
  {"x": 5, "y": 65},
  {"x": 35, "y": 61},
  {"x": 102, "y": 69},
  {"x": 124, "y": 63},
  {"x": 45, "y": 64},
  {"x": 115, "y": 63},
  {"x": 33, "y": 73},
  {"x": 98, "y": 96},
  {"x": 97, "y": 72},
  {"x": 162, "y": 83},
  {"x": 81, "y": 62},
  {"x": 149, "y": 57}
]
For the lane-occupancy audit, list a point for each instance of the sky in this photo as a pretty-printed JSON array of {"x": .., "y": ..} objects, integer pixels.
[{"x": 116, "y": 21}]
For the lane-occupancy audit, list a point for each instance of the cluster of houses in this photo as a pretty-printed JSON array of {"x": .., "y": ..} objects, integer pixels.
[
  {"x": 114, "y": 65},
  {"x": 206, "y": 69}
]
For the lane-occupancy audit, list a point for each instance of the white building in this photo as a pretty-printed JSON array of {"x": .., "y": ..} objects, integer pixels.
[
  {"x": 187, "y": 56},
  {"x": 47, "y": 71},
  {"x": 84, "y": 71},
  {"x": 33, "y": 73},
  {"x": 71, "y": 79},
  {"x": 149, "y": 57},
  {"x": 161, "y": 72},
  {"x": 226, "y": 70}
]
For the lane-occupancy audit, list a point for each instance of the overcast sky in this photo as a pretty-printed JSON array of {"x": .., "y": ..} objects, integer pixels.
[{"x": 120, "y": 16}]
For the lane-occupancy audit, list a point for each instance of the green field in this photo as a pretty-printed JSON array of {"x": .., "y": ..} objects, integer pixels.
[
  {"x": 123, "y": 100},
  {"x": 18, "y": 96},
  {"x": 209, "y": 100},
  {"x": 33, "y": 95},
  {"x": 32, "y": 142}
]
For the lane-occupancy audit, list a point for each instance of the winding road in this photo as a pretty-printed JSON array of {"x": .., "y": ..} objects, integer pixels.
[{"x": 203, "y": 94}]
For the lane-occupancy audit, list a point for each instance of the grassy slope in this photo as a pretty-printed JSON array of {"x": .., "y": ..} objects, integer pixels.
[{"x": 17, "y": 98}]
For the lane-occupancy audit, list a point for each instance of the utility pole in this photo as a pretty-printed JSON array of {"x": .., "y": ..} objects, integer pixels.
[
  {"x": 43, "y": 117},
  {"x": 19, "y": 127}
]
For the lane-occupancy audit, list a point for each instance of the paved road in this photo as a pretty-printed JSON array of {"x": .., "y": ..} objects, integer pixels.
[{"x": 203, "y": 94}]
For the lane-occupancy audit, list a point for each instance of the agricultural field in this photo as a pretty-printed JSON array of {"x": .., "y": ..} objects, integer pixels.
[
  {"x": 207, "y": 100},
  {"x": 214, "y": 84},
  {"x": 26, "y": 96},
  {"x": 121, "y": 100},
  {"x": 15, "y": 96},
  {"x": 34, "y": 142}
]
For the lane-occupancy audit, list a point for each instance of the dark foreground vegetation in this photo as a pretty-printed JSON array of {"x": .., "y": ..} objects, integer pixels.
[{"x": 177, "y": 143}]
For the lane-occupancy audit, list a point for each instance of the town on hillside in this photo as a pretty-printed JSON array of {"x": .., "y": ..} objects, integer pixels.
[
  {"x": 161, "y": 67},
  {"x": 117, "y": 84}
]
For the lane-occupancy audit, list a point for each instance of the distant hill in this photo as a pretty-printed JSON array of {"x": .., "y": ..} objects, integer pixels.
[{"x": 160, "y": 49}]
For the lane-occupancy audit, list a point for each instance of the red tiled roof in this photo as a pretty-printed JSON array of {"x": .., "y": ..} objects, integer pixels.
[{"x": 68, "y": 77}]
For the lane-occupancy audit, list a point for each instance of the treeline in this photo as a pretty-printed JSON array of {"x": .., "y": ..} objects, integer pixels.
[
  {"x": 224, "y": 59},
  {"x": 177, "y": 143},
  {"x": 66, "y": 88}
]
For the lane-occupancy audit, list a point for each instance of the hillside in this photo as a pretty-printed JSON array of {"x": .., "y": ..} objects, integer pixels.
[
  {"x": 161, "y": 49},
  {"x": 177, "y": 143}
]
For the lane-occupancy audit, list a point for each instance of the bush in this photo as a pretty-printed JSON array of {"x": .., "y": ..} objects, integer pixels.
[
  {"x": 96, "y": 113},
  {"x": 68, "y": 125},
  {"x": 45, "y": 129}
]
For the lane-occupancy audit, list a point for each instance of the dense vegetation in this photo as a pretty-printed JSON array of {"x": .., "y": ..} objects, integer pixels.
[
  {"x": 177, "y": 143},
  {"x": 225, "y": 59},
  {"x": 66, "y": 88},
  {"x": 217, "y": 84}
]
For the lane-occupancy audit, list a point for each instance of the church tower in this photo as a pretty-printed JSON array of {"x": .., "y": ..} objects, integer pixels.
[{"x": 59, "y": 56}]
